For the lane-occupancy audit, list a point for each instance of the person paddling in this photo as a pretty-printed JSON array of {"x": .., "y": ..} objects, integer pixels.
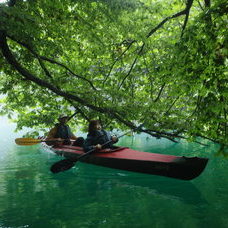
[
  {"x": 62, "y": 134},
  {"x": 96, "y": 137}
]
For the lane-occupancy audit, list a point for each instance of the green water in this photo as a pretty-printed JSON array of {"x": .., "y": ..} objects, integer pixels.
[{"x": 92, "y": 196}]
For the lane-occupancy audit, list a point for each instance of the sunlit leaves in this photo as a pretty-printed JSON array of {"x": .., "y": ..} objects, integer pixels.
[{"x": 171, "y": 82}]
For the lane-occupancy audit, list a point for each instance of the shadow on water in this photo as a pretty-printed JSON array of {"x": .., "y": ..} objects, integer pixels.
[
  {"x": 168, "y": 188},
  {"x": 104, "y": 179}
]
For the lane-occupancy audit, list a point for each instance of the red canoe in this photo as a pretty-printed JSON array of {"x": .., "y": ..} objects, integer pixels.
[{"x": 185, "y": 168}]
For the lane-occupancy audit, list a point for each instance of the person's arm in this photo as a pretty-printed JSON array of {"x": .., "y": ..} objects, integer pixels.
[
  {"x": 72, "y": 136},
  {"x": 114, "y": 139},
  {"x": 51, "y": 136},
  {"x": 89, "y": 145},
  {"x": 51, "y": 133}
]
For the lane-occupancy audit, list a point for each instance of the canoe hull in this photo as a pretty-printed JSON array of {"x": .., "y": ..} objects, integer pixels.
[{"x": 185, "y": 168}]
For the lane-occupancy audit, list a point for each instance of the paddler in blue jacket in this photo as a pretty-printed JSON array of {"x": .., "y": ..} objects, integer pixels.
[
  {"x": 97, "y": 137},
  {"x": 62, "y": 134}
]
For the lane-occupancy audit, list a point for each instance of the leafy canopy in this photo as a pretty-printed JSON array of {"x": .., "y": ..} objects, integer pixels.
[{"x": 161, "y": 64}]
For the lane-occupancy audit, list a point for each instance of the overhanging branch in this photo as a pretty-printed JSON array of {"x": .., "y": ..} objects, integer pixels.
[
  {"x": 26, "y": 74},
  {"x": 132, "y": 65},
  {"x": 118, "y": 58},
  {"x": 181, "y": 13},
  {"x": 29, "y": 76},
  {"x": 44, "y": 68},
  {"x": 39, "y": 57}
]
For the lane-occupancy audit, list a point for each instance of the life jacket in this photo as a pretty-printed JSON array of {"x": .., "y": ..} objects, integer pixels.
[
  {"x": 63, "y": 131},
  {"x": 100, "y": 137}
]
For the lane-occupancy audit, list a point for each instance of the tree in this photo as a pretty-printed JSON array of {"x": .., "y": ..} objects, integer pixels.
[{"x": 160, "y": 64}]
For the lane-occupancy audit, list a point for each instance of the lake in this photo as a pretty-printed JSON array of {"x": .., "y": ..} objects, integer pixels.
[{"x": 93, "y": 196}]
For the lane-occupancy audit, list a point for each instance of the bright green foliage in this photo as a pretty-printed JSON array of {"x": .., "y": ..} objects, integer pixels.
[{"x": 114, "y": 61}]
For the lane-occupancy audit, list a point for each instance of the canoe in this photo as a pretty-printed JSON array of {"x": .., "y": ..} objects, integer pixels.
[{"x": 124, "y": 158}]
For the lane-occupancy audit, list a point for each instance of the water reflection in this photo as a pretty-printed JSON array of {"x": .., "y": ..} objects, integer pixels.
[
  {"x": 93, "y": 196},
  {"x": 163, "y": 187}
]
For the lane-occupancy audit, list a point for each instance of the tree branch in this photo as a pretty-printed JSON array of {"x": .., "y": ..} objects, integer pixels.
[
  {"x": 117, "y": 59},
  {"x": 132, "y": 66},
  {"x": 207, "y": 3},
  {"x": 159, "y": 94},
  {"x": 39, "y": 57},
  {"x": 12, "y": 61},
  {"x": 27, "y": 75},
  {"x": 70, "y": 71},
  {"x": 188, "y": 7},
  {"x": 171, "y": 105},
  {"x": 201, "y": 7},
  {"x": 79, "y": 110},
  {"x": 181, "y": 13},
  {"x": 44, "y": 69},
  {"x": 111, "y": 113}
]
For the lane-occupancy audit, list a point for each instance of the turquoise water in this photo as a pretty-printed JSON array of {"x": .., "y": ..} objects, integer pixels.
[{"x": 92, "y": 196}]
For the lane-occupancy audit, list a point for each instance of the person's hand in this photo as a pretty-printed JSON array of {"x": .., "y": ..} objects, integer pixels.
[
  {"x": 114, "y": 139},
  {"x": 59, "y": 139},
  {"x": 97, "y": 147}
]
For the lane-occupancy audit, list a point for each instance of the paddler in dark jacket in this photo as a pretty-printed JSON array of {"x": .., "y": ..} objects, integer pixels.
[
  {"x": 97, "y": 137},
  {"x": 62, "y": 134}
]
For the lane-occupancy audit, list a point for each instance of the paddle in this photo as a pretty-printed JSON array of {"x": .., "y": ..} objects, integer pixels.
[
  {"x": 31, "y": 141},
  {"x": 66, "y": 164}
]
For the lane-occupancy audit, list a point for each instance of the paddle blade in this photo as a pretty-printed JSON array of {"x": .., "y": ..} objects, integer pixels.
[
  {"x": 62, "y": 165},
  {"x": 27, "y": 141}
]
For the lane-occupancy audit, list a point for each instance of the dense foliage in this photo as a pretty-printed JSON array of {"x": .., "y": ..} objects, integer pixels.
[{"x": 161, "y": 64}]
